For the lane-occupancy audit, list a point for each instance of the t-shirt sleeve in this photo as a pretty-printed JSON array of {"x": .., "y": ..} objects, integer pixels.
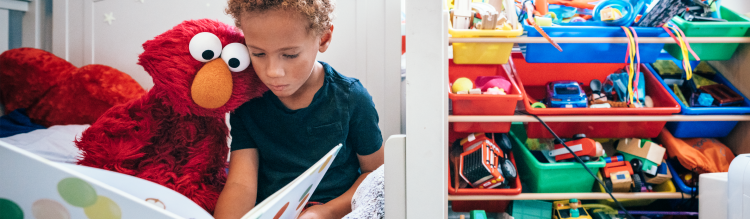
[
  {"x": 240, "y": 136},
  {"x": 364, "y": 133}
]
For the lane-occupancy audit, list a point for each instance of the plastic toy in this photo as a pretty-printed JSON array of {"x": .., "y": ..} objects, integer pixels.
[
  {"x": 462, "y": 84},
  {"x": 723, "y": 95},
  {"x": 487, "y": 82},
  {"x": 483, "y": 163},
  {"x": 587, "y": 149},
  {"x": 565, "y": 94},
  {"x": 650, "y": 153},
  {"x": 531, "y": 209},
  {"x": 477, "y": 214},
  {"x": 619, "y": 175},
  {"x": 705, "y": 99},
  {"x": 565, "y": 209},
  {"x": 662, "y": 175}
]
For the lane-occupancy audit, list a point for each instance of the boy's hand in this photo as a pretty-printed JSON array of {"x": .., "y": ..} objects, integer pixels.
[{"x": 317, "y": 212}]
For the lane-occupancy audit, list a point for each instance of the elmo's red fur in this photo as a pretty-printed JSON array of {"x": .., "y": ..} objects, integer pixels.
[
  {"x": 54, "y": 92},
  {"x": 164, "y": 136}
]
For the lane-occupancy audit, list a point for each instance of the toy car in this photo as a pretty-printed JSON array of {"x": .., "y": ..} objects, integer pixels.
[
  {"x": 619, "y": 175},
  {"x": 587, "y": 149},
  {"x": 483, "y": 164},
  {"x": 565, "y": 94},
  {"x": 562, "y": 210}
]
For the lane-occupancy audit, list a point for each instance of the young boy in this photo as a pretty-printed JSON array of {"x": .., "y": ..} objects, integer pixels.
[{"x": 309, "y": 109}]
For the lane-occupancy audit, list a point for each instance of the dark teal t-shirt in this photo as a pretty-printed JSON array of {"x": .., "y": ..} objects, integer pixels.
[{"x": 291, "y": 141}]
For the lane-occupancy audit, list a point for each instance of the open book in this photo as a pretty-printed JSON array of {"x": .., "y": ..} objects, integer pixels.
[{"x": 289, "y": 201}]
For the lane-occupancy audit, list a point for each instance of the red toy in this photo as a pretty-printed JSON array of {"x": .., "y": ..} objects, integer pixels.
[
  {"x": 176, "y": 134},
  {"x": 483, "y": 164},
  {"x": 54, "y": 92},
  {"x": 586, "y": 148}
]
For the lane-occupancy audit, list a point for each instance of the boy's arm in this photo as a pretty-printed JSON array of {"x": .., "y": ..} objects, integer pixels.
[
  {"x": 342, "y": 205},
  {"x": 240, "y": 191}
]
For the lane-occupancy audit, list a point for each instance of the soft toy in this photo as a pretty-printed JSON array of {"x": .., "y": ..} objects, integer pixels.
[
  {"x": 57, "y": 93},
  {"x": 176, "y": 134}
]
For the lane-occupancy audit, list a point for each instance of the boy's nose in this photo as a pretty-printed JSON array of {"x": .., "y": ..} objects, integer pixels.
[{"x": 275, "y": 69}]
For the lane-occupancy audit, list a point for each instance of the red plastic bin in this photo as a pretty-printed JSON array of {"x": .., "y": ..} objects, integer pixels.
[
  {"x": 532, "y": 79},
  {"x": 489, "y": 206},
  {"x": 480, "y": 104}
]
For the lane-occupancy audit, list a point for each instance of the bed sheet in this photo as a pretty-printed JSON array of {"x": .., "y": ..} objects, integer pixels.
[{"x": 54, "y": 143}]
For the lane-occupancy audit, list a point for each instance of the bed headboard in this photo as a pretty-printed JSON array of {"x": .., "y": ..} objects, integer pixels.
[{"x": 366, "y": 40}]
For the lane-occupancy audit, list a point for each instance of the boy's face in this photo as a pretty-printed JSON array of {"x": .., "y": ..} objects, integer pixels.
[{"x": 282, "y": 50}]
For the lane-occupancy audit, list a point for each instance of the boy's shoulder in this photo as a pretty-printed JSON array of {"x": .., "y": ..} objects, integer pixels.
[
  {"x": 351, "y": 85},
  {"x": 334, "y": 76}
]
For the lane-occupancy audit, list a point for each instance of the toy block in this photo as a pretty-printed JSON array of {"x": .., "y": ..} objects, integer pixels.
[
  {"x": 662, "y": 175},
  {"x": 621, "y": 181},
  {"x": 650, "y": 150}
]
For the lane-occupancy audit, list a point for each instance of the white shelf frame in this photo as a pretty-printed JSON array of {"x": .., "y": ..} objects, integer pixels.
[
  {"x": 598, "y": 118},
  {"x": 595, "y": 40},
  {"x": 427, "y": 109},
  {"x": 561, "y": 196}
]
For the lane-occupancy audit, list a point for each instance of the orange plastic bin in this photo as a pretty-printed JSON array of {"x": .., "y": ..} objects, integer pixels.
[
  {"x": 532, "y": 79},
  {"x": 482, "y": 104}
]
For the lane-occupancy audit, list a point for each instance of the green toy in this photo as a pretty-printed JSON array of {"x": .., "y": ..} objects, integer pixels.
[
  {"x": 477, "y": 214},
  {"x": 532, "y": 209}
]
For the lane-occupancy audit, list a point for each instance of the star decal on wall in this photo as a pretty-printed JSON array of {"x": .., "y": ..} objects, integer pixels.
[{"x": 109, "y": 17}]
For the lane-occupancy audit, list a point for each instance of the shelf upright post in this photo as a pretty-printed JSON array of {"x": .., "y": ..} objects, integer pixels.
[{"x": 426, "y": 109}]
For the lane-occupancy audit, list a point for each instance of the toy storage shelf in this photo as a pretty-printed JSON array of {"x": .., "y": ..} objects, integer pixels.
[
  {"x": 428, "y": 118},
  {"x": 602, "y": 118},
  {"x": 560, "y": 196},
  {"x": 595, "y": 40}
]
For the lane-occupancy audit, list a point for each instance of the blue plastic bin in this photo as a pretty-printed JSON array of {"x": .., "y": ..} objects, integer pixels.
[
  {"x": 705, "y": 129},
  {"x": 678, "y": 182},
  {"x": 590, "y": 52}
]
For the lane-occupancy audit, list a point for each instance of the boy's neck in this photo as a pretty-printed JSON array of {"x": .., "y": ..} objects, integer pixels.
[{"x": 304, "y": 96}]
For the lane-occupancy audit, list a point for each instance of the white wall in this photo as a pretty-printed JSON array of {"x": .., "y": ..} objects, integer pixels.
[
  {"x": 366, "y": 41},
  {"x": 740, "y": 6}
]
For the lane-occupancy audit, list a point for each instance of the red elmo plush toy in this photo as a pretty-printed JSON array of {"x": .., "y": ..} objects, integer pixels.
[
  {"x": 176, "y": 134},
  {"x": 55, "y": 92}
]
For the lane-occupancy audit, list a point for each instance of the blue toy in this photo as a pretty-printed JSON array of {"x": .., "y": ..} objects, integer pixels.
[
  {"x": 705, "y": 99},
  {"x": 565, "y": 94},
  {"x": 619, "y": 82}
]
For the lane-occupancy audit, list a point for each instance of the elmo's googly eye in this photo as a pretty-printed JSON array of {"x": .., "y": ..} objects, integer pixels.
[
  {"x": 205, "y": 47},
  {"x": 236, "y": 57}
]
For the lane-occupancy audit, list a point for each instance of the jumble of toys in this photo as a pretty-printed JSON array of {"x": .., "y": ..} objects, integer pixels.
[
  {"x": 494, "y": 85},
  {"x": 612, "y": 93},
  {"x": 636, "y": 165},
  {"x": 482, "y": 163},
  {"x": 700, "y": 90},
  {"x": 501, "y": 14}
]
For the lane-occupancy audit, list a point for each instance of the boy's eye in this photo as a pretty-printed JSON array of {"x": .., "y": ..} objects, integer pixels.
[
  {"x": 291, "y": 56},
  {"x": 259, "y": 54}
]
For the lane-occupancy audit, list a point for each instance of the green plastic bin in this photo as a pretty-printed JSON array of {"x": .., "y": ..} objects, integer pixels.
[
  {"x": 564, "y": 177},
  {"x": 736, "y": 27}
]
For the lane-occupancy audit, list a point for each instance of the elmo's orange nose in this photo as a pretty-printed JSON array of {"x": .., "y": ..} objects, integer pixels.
[{"x": 212, "y": 86}]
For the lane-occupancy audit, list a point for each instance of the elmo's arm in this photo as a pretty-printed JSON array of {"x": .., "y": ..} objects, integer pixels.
[{"x": 114, "y": 141}]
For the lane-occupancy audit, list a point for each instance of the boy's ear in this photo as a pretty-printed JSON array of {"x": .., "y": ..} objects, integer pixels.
[{"x": 325, "y": 39}]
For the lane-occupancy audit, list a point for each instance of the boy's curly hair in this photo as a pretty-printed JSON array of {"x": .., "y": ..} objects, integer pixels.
[{"x": 318, "y": 12}]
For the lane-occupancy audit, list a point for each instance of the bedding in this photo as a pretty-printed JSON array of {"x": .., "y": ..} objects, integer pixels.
[
  {"x": 54, "y": 143},
  {"x": 17, "y": 122}
]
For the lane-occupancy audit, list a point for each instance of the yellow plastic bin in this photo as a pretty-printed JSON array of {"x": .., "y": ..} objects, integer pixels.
[
  {"x": 667, "y": 186},
  {"x": 482, "y": 53}
]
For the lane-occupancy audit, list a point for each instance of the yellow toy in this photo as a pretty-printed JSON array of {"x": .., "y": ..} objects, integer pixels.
[
  {"x": 569, "y": 209},
  {"x": 462, "y": 84},
  {"x": 610, "y": 14}
]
